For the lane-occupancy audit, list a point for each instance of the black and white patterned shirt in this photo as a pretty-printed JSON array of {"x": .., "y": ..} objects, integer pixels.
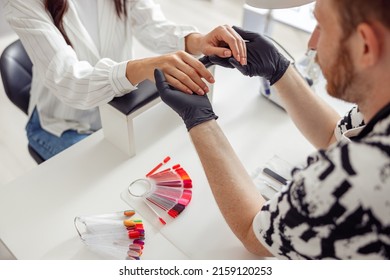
[{"x": 338, "y": 206}]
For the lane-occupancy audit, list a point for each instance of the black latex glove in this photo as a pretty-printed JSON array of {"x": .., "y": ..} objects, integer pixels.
[
  {"x": 263, "y": 58},
  {"x": 210, "y": 60},
  {"x": 193, "y": 109}
]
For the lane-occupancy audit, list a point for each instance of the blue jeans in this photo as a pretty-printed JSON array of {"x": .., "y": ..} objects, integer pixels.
[{"x": 47, "y": 144}]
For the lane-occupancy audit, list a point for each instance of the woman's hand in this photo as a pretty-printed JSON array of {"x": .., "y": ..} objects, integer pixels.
[
  {"x": 181, "y": 70},
  {"x": 222, "y": 41}
]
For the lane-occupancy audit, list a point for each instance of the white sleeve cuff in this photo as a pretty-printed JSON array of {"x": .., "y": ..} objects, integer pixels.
[{"x": 119, "y": 80}]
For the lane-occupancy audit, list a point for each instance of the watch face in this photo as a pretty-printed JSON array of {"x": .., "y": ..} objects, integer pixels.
[{"x": 277, "y": 4}]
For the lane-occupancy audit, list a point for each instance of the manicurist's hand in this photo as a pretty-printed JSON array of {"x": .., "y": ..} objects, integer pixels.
[
  {"x": 264, "y": 59},
  {"x": 193, "y": 109}
]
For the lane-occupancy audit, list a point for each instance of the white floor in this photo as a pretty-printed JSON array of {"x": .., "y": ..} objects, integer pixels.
[{"x": 205, "y": 14}]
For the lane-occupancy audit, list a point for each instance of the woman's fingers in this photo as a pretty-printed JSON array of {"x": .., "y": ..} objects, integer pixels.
[
  {"x": 186, "y": 73},
  {"x": 224, "y": 41}
]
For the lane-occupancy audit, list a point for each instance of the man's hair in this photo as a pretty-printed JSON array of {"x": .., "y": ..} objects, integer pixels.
[{"x": 354, "y": 12}]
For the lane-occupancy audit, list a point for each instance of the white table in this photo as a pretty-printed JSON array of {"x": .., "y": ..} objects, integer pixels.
[{"x": 37, "y": 210}]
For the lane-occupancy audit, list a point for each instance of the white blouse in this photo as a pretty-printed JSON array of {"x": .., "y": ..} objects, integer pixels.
[
  {"x": 69, "y": 83},
  {"x": 87, "y": 10}
]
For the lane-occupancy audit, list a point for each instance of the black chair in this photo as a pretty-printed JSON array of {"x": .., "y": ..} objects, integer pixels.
[{"x": 16, "y": 73}]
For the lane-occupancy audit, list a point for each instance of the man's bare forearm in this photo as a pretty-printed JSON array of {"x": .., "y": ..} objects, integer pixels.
[
  {"x": 232, "y": 187},
  {"x": 313, "y": 117}
]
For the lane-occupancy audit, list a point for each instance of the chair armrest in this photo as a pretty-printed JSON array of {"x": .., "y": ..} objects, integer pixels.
[{"x": 136, "y": 99}]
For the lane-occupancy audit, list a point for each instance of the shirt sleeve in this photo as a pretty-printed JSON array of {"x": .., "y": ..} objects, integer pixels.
[
  {"x": 78, "y": 83},
  {"x": 353, "y": 119},
  {"x": 292, "y": 225},
  {"x": 334, "y": 208},
  {"x": 154, "y": 31}
]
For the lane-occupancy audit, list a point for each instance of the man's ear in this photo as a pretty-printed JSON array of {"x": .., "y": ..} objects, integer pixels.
[{"x": 369, "y": 45}]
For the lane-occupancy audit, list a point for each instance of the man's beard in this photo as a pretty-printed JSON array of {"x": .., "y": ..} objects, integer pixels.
[{"x": 342, "y": 80}]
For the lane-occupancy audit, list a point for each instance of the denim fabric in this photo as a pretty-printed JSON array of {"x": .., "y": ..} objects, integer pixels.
[{"x": 47, "y": 144}]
